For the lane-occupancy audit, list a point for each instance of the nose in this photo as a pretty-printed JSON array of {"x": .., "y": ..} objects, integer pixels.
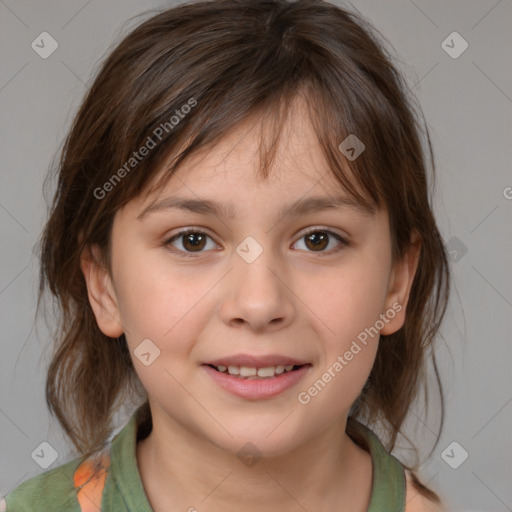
[{"x": 258, "y": 295}]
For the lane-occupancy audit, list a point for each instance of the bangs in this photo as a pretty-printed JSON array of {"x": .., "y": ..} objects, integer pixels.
[{"x": 353, "y": 175}]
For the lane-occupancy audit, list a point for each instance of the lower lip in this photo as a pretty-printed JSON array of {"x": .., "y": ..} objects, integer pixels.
[{"x": 255, "y": 389}]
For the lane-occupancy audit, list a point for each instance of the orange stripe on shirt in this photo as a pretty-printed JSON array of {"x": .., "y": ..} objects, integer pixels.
[{"x": 89, "y": 479}]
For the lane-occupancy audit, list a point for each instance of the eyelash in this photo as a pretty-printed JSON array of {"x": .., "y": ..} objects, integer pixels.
[{"x": 168, "y": 243}]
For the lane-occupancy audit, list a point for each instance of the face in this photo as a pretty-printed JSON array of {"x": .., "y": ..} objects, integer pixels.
[{"x": 298, "y": 287}]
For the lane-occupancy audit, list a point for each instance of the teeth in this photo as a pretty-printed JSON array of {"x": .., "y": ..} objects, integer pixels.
[
  {"x": 233, "y": 370},
  {"x": 249, "y": 372},
  {"x": 266, "y": 372}
]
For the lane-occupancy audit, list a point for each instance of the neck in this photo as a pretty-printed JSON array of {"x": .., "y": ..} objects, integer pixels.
[{"x": 184, "y": 469}]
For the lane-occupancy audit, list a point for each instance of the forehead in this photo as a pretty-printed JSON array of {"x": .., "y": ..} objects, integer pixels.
[{"x": 229, "y": 170}]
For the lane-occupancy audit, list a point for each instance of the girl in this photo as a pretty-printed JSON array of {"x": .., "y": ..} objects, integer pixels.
[{"x": 242, "y": 236}]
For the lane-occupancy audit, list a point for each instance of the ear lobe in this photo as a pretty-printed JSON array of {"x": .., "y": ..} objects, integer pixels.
[
  {"x": 101, "y": 292},
  {"x": 402, "y": 277}
]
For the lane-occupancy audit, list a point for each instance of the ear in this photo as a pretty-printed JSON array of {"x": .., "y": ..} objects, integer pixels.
[
  {"x": 400, "y": 284},
  {"x": 101, "y": 292}
]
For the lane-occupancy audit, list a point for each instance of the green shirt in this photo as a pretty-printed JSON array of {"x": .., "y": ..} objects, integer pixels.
[{"x": 54, "y": 491}]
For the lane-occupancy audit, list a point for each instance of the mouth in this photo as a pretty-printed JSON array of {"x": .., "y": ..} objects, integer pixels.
[
  {"x": 253, "y": 381},
  {"x": 256, "y": 373}
]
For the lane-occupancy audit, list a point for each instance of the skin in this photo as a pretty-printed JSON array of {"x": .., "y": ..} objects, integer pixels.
[{"x": 292, "y": 300}]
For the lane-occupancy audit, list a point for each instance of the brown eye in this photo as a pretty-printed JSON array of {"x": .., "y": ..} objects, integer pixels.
[
  {"x": 317, "y": 240},
  {"x": 190, "y": 241},
  {"x": 194, "y": 241}
]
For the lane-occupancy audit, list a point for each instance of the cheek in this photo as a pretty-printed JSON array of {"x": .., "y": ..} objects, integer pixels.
[
  {"x": 349, "y": 309},
  {"x": 161, "y": 306},
  {"x": 152, "y": 297},
  {"x": 348, "y": 302},
  {"x": 349, "y": 298},
  {"x": 164, "y": 304}
]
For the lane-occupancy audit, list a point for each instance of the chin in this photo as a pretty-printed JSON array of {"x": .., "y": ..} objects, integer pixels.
[{"x": 254, "y": 440}]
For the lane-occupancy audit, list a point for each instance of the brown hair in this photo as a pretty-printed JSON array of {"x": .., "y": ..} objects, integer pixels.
[{"x": 230, "y": 59}]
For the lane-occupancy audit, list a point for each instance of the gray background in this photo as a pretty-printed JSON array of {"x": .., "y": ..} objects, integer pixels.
[{"x": 467, "y": 102}]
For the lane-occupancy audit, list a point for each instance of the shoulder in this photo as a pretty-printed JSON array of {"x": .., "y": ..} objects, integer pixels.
[
  {"x": 51, "y": 490},
  {"x": 417, "y": 502}
]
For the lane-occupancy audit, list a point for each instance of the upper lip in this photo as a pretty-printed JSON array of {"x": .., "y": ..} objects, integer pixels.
[{"x": 256, "y": 361}]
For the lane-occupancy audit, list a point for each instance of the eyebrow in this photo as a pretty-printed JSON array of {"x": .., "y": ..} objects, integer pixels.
[{"x": 300, "y": 207}]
